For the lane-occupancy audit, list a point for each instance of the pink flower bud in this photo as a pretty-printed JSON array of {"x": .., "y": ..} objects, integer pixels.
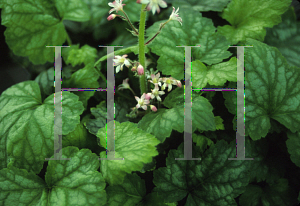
[
  {"x": 111, "y": 17},
  {"x": 133, "y": 69},
  {"x": 140, "y": 70},
  {"x": 138, "y": 1},
  {"x": 148, "y": 96},
  {"x": 179, "y": 84},
  {"x": 153, "y": 108}
]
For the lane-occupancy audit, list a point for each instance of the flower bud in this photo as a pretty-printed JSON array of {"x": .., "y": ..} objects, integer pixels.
[
  {"x": 153, "y": 108},
  {"x": 111, "y": 17},
  {"x": 133, "y": 69},
  {"x": 138, "y": 1},
  {"x": 179, "y": 84},
  {"x": 148, "y": 96},
  {"x": 140, "y": 70}
]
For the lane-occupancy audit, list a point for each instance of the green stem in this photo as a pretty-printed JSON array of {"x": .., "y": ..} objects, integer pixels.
[
  {"x": 157, "y": 33},
  {"x": 142, "y": 47},
  {"x": 129, "y": 22}
]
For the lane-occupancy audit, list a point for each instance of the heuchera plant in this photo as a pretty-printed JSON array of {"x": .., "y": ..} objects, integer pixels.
[{"x": 149, "y": 110}]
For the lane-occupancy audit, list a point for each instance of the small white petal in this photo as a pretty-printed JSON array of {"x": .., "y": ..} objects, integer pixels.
[
  {"x": 153, "y": 9},
  {"x": 169, "y": 87},
  {"x": 127, "y": 63},
  {"x": 162, "y": 4},
  {"x": 118, "y": 69}
]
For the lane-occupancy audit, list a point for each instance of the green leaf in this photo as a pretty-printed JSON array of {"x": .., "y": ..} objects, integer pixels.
[
  {"x": 272, "y": 90},
  {"x": 293, "y": 147},
  {"x": 46, "y": 82},
  {"x": 75, "y": 56},
  {"x": 154, "y": 198},
  {"x": 20, "y": 187},
  {"x": 162, "y": 122},
  {"x": 174, "y": 98},
  {"x": 286, "y": 37},
  {"x": 68, "y": 182},
  {"x": 248, "y": 18},
  {"x": 171, "y": 61},
  {"x": 214, "y": 180},
  {"x": 219, "y": 123},
  {"x": 76, "y": 181},
  {"x": 278, "y": 194},
  {"x": 74, "y": 10},
  {"x": 27, "y": 124},
  {"x": 129, "y": 193},
  {"x": 83, "y": 78},
  {"x": 98, "y": 9},
  {"x": 100, "y": 114},
  {"x": 216, "y": 74},
  {"x": 230, "y": 98},
  {"x": 202, "y": 141},
  {"x": 136, "y": 146},
  {"x": 78, "y": 138},
  {"x": 201, "y": 5},
  {"x": 34, "y": 24}
]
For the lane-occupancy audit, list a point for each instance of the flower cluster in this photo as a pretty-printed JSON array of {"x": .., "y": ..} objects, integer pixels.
[
  {"x": 155, "y": 93},
  {"x": 159, "y": 83},
  {"x": 117, "y": 6}
]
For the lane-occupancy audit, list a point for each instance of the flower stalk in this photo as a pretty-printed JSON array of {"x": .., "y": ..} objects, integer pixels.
[
  {"x": 129, "y": 22},
  {"x": 142, "y": 47}
]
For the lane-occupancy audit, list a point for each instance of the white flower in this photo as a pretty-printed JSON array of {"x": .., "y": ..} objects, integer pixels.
[
  {"x": 168, "y": 82},
  {"x": 117, "y": 6},
  {"x": 155, "y": 79},
  {"x": 125, "y": 85},
  {"x": 175, "y": 16},
  {"x": 142, "y": 102},
  {"x": 156, "y": 93},
  {"x": 120, "y": 61},
  {"x": 153, "y": 5}
]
